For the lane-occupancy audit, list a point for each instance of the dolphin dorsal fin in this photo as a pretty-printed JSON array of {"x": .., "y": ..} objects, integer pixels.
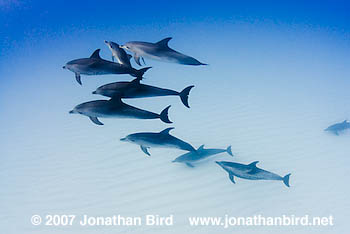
[
  {"x": 96, "y": 54},
  {"x": 164, "y": 42},
  {"x": 135, "y": 81},
  {"x": 201, "y": 147},
  {"x": 253, "y": 164},
  {"x": 345, "y": 121},
  {"x": 166, "y": 131},
  {"x": 116, "y": 99}
]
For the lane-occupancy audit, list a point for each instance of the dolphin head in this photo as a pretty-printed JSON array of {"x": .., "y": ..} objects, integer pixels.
[
  {"x": 128, "y": 138},
  {"x": 128, "y": 46},
  {"x": 227, "y": 166},
  {"x": 112, "y": 45}
]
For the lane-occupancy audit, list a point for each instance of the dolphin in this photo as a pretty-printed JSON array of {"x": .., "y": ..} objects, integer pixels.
[
  {"x": 338, "y": 127},
  {"x": 250, "y": 172},
  {"x": 115, "y": 108},
  {"x": 95, "y": 65},
  {"x": 158, "y": 51},
  {"x": 118, "y": 53},
  {"x": 134, "y": 89},
  {"x": 157, "y": 139},
  {"x": 200, "y": 154}
]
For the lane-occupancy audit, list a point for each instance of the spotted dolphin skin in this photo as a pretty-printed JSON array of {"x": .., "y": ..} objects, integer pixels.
[
  {"x": 250, "y": 172},
  {"x": 200, "y": 154},
  {"x": 159, "y": 51},
  {"x": 161, "y": 139},
  {"x": 95, "y": 65},
  {"x": 134, "y": 89},
  {"x": 338, "y": 127},
  {"x": 118, "y": 53},
  {"x": 115, "y": 108}
]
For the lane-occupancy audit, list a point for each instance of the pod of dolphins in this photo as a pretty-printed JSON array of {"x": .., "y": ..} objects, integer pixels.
[{"x": 116, "y": 108}]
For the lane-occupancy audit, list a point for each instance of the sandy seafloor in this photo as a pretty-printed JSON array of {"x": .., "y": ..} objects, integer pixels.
[{"x": 269, "y": 91}]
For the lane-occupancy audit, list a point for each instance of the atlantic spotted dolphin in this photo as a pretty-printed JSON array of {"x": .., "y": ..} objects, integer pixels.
[
  {"x": 157, "y": 139},
  {"x": 338, "y": 127},
  {"x": 134, "y": 89},
  {"x": 115, "y": 108},
  {"x": 200, "y": 154},
  {"x": 118, "y": 53},
  {"x": 250, "y": 172},
  {"x": 159, "y": 51},
  {"x": 95, "y": 65}
]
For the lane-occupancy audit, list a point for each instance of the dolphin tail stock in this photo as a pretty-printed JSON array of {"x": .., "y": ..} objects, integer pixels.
[
  {"x": 229, "y": 151},
  {"x": 286, "y": 180},
  {"x": 140, "y": 72},
  {"x": 164, "y": 115},
  {"x": 184, "y": 95}
]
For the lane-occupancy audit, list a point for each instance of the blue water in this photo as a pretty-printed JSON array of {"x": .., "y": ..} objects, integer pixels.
[{"x": 278, "y": 75}]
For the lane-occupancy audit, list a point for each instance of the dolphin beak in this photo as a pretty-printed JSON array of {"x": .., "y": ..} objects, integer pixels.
[
  {"x": 71, "y": 112},
  {"x": 123, "y": 139},
  {"x": 122, "y": 47},
  {"x": 217, "y": 162},
  {"x": 64, "y": 67},
  {"x": 106, "y": 42},
  {"x": 94, "y": 92}
]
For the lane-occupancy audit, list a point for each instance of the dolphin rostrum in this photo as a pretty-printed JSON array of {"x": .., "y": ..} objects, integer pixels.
[
  {"x": 115, "y": 108},
  {"x": 134, "y": 89},
  {"x": 157, "y": 139},
  {"x": 118, "y": 53},
  {"x": 158, "y": 51},
  {"x": 250, "y": 172},
  {"x": 95, "y": 65},
  {"x": 338, "y": 127},
  {"x": 200, "y": 154}
]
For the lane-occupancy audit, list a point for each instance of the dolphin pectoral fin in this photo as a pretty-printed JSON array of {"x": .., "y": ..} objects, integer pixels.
[
  {"x": 143, "y": 60},
  {"x": 189, "y": 165},
  {"x": 95, "y": 120},
  {"x": 232, "y": 178},
  {"x": 78, "y": 78},
  {"x": 145, "y": 150},
  {"x": 137, "y": 59}
]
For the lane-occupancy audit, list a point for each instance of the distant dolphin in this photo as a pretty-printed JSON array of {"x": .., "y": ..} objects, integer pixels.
[
  {"x": 200, "y": 154},
  {"x": 338, "y": 127},
  {"x": 157, "y": 139},
  {"x": 134, "y": 89},
  {"x": 118, "y": 53},
  {"x": 158, "y": 51},
  {"x": 115, "y": 108},
  {"x": 95, "y": 65},
  {"x": 250, "y": 172}
]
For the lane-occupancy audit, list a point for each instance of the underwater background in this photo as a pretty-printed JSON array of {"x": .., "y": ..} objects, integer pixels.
[{"x": 278, "y": 75}]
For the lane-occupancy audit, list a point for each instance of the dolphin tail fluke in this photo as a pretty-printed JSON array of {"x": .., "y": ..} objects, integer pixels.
[
  {"x": 184, "y": 95},
  {"x": 164, "y": 115},
  {"x": 140, "y": 72},
  {"x": 286, "y": 180},
  {"x": 229, "y": 151}
]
